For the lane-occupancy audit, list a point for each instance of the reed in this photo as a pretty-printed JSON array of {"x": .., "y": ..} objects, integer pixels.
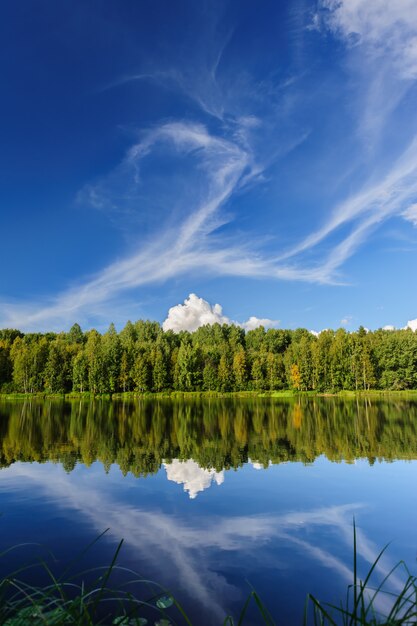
[{"x": 361, "y": 606}]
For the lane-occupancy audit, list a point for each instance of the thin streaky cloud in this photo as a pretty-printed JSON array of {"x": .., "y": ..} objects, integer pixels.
[
  {"x": 381, "y": 46},
  {"x": 187, "y": 248},
  {"x": 381, "y": 199},
  {"x": 131, "y": 78},
  {"x": 184, "y": 249}
]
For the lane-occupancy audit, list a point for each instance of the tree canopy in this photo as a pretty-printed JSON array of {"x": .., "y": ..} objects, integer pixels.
[{"x": 144, "y": 358}]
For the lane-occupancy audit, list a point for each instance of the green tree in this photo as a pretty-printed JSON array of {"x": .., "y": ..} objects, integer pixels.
[
  {"x": 274, "y": 371},
  {"x": 188, "y": 374},
  {"x": 95, "y": 360},
  {"x": 58, "y": 368},
  {"x": 240, "y": 369},
  {"x": 160, "y": 375},
  {"x": 224, "y": 373},
  {"x": 111, "y": 350},
  {"x": 75, "y": 334},
  {"x": 80, "y": 372},
  {"x": 21, "y": 361},
  {"x": 142, "y": 373},
  {"x": 210, "y": 377}
]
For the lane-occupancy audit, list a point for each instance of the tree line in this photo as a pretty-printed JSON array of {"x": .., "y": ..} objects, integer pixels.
[
  {"x": 144, "y": 358},
  {"x": 219, "y": 433}
]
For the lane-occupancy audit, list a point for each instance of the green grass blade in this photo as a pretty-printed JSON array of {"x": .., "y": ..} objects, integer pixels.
[{"x": 322, "y": 610}]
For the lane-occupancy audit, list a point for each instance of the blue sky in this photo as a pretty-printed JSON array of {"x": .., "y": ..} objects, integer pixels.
[{"x": 260, "y": 155}]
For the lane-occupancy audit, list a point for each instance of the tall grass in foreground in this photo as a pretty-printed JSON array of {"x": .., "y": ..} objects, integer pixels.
[
  {"x": 65, "y": 600},
  {"x": 93, "y": 601},
  {"x": 362, "y": 599}
]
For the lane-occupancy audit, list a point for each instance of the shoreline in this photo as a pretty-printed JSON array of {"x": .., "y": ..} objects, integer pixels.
[{"x": 285, "y": 394}]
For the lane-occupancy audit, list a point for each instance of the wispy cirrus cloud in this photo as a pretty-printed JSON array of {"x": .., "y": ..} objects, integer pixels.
[
  {"x": 365, "y": 210},
  {"x": 410, "y": 214},
  {"x": 381, "y": 43},
  {"x": 186, "y": 240},
  {"x": 175, "y": 210},
  {"x": 182, "y": 237},
  {"x": 387, "y": 29},
  {"x": 180, "y": 244}
]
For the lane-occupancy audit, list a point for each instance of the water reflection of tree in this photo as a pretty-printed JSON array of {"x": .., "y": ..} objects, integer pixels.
[{"x": 217, "y": 433}]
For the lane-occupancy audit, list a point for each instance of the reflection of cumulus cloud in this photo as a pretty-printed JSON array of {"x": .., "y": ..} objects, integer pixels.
[
  {"x": 192, "y": 476},
  {"x": 258, "y": 466},
  {"x": 196, "y": 312}
]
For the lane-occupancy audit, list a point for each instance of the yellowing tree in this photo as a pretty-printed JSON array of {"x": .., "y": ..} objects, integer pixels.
[{"x": 295, "y": 376}]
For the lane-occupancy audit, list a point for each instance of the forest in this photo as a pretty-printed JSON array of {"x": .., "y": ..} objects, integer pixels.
[
  {"x": 142, "y": 357},
  {"x": 219, "y": 433}
]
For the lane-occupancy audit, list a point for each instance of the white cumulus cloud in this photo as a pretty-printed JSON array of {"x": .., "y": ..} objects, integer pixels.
[
  {"x": 254, "y": 322},
  {"x": 196, "y": 312},
  {"x": 412, "y": 324},
  {"x": 193, "y": 313},
  {"x": 318, "y": 333}
]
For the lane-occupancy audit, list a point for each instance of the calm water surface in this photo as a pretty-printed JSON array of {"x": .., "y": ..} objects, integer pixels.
[{"x": 213, "y": 495}]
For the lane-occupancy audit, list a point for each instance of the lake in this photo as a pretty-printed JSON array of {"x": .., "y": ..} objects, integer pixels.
[{"x": 213, "y": 496}]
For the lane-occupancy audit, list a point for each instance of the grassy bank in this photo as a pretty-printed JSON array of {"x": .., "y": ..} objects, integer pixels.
[{"x": 284, "y": 393}]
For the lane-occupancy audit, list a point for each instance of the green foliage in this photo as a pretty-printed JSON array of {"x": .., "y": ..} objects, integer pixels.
[
  {"x": 240, "y": 369},
  {"x": 80, "y": 372},
  {"x": 112, "y": 351},
  {"x": 144, "y": 358},
  {"x": 188, "y": 367},
  {"x": 75, "y": 334},
  {"x": 58, "y": 368},
  {"x": 95, "y": 360}
]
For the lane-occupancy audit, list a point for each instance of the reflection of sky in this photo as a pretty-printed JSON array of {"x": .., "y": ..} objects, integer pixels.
[{"x": 289, "y": 522}]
